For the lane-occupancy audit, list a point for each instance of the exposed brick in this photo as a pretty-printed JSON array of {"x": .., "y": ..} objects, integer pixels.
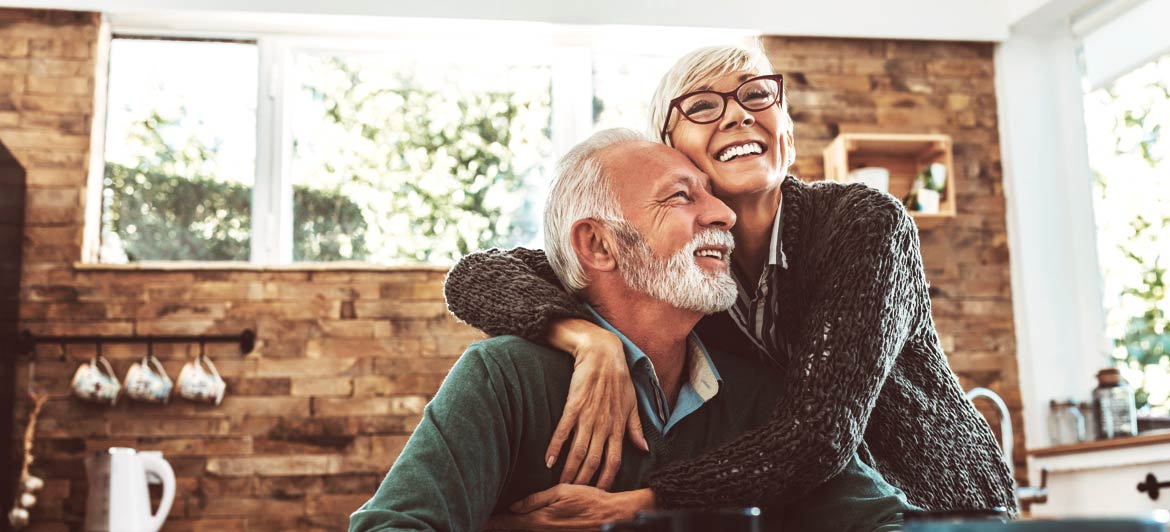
[
  {"x": 79, "y": 86},
  {"x": 400, "y": 405},
  {"x": 55, "y": 103},
  {"x": 322, "y": 387},
  {"x": 13, "y": 46}
]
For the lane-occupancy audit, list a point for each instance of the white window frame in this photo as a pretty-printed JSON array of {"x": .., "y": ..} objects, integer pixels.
[{"x": 568, "y": 50}]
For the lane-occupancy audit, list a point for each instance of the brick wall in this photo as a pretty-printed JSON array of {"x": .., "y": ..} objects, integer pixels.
[
  {"x": 348, "y": 357},
  {"x": 931, "y": 87}
]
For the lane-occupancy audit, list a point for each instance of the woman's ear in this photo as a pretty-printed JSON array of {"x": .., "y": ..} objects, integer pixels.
[{"x": 592, "y": 242}]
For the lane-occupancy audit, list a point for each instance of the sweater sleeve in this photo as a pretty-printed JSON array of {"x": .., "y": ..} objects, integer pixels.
[
  {"x": 454, "y": 465},
  {"x": 859, "y": 319},
  {"x": 509, "y": 292}
]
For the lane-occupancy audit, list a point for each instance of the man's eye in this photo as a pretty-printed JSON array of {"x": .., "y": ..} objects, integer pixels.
[{"x": 681, "y": 194}]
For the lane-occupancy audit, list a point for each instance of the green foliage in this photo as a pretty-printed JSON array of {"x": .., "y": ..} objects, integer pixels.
[
  {"x": 160, "y": 216},
  {"x": 1138, "y": 129},
  {"x": 1141, "y": 111},
  {"x": 170, "y": 207},
  {"x": 438, "y": 170},
  {"x": 1146, "y": 340},
  {"x": 393, "y": 171}
]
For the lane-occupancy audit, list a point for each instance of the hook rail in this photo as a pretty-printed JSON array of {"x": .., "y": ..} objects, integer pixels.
[{"x": 246, "y": 339}]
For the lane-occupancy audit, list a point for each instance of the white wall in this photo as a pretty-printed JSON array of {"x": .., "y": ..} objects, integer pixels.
[{"x": 983, "y": 20}]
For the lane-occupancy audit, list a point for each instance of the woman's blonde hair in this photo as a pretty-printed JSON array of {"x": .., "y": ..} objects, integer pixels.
[{"x": 697, "y": 69}]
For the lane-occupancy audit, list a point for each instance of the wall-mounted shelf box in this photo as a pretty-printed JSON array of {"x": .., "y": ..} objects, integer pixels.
[{"x": 905, "y": 155}]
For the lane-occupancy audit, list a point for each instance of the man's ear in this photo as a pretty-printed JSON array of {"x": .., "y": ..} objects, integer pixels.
[{"x": 593, "y": 244}]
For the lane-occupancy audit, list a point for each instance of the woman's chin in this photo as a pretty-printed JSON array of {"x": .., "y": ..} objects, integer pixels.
[{"x": 731, "y": 185}]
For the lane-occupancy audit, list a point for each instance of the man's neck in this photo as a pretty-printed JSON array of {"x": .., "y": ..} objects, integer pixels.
[{"x": 658, "y": 329}]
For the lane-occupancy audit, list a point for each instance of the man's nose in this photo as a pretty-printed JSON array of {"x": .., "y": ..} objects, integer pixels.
[{"x": 716, "y": 213}]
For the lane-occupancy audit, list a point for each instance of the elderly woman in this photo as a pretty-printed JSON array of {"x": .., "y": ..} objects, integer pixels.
[{"x": 831, "y": 290}]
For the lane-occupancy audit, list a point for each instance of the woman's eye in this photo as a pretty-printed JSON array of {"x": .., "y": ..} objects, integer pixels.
[
  {"x": 698, "y": 107},
  {"x": 758, "y": 95}
]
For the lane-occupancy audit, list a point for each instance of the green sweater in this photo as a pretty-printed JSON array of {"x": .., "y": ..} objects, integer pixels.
[{"x": 480, "y": 446}]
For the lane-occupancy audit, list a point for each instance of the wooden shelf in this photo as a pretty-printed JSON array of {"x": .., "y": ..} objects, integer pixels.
[
  {"x": 905, "y": 155},
  {"x": 1145, "y": 438}
]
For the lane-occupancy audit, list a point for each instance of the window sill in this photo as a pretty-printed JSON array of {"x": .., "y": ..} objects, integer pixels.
[{"x": 182, "y": 266}]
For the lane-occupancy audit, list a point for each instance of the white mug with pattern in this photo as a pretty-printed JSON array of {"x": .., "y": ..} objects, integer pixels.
[
  {"x": 200, "y": 384},
  {"x": 148, "y": 382},
  {"x": 96, "y": 382}
]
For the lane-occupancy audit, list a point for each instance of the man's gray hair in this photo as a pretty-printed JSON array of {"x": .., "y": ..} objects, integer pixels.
[
  {"x": 699, "y": 68},
  {"x": 580, "y": 189}
]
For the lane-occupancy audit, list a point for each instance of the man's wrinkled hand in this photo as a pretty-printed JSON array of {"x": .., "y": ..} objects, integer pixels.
[{"x": 572, "y": 507}]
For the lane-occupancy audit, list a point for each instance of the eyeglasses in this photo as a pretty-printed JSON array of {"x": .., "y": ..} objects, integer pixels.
[{"x": 705, "y": 107}]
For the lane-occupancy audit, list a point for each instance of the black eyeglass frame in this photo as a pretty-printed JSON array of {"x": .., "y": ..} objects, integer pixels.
[{"x": 734, "y": 94}]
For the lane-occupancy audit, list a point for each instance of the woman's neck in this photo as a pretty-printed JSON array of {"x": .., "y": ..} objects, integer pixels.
[{"x": 755, "y": 217}]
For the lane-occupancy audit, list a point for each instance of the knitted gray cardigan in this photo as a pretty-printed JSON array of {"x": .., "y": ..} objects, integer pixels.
[{"x": 864, "y": 372}]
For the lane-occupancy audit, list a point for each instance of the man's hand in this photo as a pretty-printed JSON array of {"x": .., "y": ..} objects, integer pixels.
[{"x": 572, "y": 507}]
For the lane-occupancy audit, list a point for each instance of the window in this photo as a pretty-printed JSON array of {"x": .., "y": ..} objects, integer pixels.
[
  {"x": 404, "y": 160},
  {"x": 1127, "y": 122},
  {"x": 180, "y": 150},
  {"x": 283, "y": 149}
]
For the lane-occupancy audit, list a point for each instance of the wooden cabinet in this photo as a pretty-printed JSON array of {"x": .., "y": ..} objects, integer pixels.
[
  {"x": 1101, "y": 478},
  {"x": 905, "y": 155}
]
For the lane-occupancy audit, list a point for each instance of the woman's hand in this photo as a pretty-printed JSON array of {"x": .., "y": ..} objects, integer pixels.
[
  {"x": 601, "y": 405},
  {"x": 572, "y": 507}
]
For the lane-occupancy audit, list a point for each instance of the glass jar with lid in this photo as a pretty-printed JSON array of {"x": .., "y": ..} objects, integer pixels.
[{"x": 1115, "y": 404}]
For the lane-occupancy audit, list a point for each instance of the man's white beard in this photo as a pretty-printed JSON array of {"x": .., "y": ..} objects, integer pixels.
[{"x": 677, "y": 280}]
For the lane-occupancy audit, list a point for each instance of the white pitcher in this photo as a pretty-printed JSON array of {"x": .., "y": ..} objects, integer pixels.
[{"x": 119, "y": 500}]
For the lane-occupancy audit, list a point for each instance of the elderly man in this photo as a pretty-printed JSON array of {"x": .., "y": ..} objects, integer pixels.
[{"x": 632, "y": 230}]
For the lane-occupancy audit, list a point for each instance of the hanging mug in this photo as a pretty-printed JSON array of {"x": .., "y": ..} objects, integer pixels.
[
  {"x": 96, "y": 383},
  {"x": 199, "y": 384},
  {"x": 148, "y": 382}
]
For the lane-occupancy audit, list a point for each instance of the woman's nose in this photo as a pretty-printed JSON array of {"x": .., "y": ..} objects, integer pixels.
[{"x": 734, "y": 115}]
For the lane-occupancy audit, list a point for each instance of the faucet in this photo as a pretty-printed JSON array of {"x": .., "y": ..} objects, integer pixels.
[
  {"x": 1024, "y": 494},
  {"x": 1007, "y": 438}
]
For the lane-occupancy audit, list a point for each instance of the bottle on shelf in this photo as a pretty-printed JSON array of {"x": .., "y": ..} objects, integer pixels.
[{"x": 1115, "y": 405}]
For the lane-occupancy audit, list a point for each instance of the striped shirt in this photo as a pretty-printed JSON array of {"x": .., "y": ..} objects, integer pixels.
[{"x": 755, "y": 310}]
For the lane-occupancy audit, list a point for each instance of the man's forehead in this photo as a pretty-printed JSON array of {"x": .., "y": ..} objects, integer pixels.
[{"x": 649, "y": 164}]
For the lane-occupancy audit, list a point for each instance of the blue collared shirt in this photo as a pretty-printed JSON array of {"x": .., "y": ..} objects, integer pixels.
[{"x": 703, "y": 382}]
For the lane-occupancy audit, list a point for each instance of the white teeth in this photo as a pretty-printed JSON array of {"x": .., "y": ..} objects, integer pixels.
[
  {"x": 739, "y": 151},
  {"x": 709, "y": 253}
]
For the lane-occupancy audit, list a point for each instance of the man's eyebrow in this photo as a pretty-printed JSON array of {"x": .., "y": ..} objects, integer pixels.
[{"x": 687, "y": 180}]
